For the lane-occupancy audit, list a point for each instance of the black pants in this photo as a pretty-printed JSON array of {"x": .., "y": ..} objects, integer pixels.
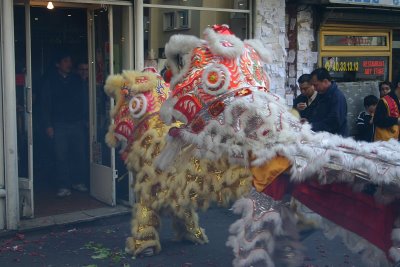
[{"x": 69, "y": 147}]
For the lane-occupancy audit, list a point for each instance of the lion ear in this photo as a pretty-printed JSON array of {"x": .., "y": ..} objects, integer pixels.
[
  {"x": 178, "y": 52},
  {"x": 140, "y": 82},
  {"x": 113, "y": 85},
  {"x": 264, "y": 52}
]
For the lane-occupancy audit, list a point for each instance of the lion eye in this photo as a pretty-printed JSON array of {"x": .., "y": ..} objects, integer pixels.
[
  {"x": 179, "y": 61},
  {"x": 138, "y": 106}
]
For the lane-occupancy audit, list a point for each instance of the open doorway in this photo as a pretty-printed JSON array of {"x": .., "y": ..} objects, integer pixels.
[
  {"x": 62, "y": 30},
  {"x": 83, "y": 32}
]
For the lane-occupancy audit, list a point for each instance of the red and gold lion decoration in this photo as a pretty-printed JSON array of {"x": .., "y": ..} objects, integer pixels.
[
  {"x": 177, "y": 191},
  {"x": 220, "y": 92}
]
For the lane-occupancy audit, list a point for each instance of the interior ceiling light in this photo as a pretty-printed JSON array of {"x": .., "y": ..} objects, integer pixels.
[{"x": 50, "y": 5}]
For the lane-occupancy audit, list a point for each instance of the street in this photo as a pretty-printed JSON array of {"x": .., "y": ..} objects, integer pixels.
[{"x": 101, "y": 243}]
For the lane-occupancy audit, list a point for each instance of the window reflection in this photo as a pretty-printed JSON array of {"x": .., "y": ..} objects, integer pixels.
[
  {"x": 229, "y": 4},
  {"x": 161, "y": 23}
]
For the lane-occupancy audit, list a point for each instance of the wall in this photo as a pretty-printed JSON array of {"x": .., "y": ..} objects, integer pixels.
[
  {"x": 306, "y": 57},
  {"x": 301, "y": 58},
  {"x": 355, "y": 93},
  {"x": 270, "y": 29}
]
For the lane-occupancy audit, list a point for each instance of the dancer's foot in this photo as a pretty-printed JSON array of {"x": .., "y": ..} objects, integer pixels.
[
  {"x": 197, "y": 236},
  {"x": 148, "y": 252}
]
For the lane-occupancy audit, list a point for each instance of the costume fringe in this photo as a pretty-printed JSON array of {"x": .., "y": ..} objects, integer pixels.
[{"x": 265, "y": 235}]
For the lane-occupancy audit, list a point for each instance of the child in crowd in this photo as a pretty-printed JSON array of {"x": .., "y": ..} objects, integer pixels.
[
  {"x": 384, "y": 88},
  {"x": 365, "y": 124}
]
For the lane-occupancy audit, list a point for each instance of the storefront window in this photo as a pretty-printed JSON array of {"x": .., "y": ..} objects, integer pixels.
[
  {"x": 354, "y": 40},
  {"x": 351, "y": 69},
  {"x": 161, "y": 22},
  {"x": 360, "y": 55},
  {"x": 229, "y": 4}
]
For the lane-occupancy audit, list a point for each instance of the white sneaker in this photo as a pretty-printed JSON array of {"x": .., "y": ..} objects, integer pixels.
[
  {"x": 63, "y": 192},
  {"x": 148, "y": 252},
  {"x": 80, "y": 187}
]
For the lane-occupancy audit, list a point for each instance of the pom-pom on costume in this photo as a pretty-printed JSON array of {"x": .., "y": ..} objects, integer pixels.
[
  {"x": 178, "y": 190},
  {"x": 220, "y": 91}
]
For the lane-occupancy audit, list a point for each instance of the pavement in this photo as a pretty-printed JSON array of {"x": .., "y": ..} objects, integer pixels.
[{"x": 101, "y": 243}]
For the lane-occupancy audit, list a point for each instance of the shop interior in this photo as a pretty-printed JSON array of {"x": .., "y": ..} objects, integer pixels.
[{"x": 64, "y": 27}]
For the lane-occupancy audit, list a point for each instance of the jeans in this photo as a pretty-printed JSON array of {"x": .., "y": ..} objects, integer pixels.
[{"x": 69, "y": 142}]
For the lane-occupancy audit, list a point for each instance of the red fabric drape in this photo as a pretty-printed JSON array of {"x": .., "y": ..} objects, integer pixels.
[{"x": 354, "y": 211}]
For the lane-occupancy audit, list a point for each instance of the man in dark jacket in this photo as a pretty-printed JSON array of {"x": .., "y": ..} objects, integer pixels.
[
  {"x": 62, "y": 110},
  {"x": 306, "y": 102},
  {"x": 330, "y": 113}
]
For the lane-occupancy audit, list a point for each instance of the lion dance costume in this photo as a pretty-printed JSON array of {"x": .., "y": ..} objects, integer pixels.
[
  {"x": 178, "y": 190},
  {"x": 220, "y": 92}
]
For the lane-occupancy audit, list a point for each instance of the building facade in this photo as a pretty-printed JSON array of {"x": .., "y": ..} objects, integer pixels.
[
  {"x": 357, "y": 41},
  {"x": 358, "y": 48}
]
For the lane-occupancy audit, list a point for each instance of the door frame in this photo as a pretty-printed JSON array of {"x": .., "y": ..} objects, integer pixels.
[
  {"x": 25, "y": 184},
  {"x": 97, "y": 170},
  {"x": 8, "y": 83},
  {"x": 9, "y": 183},
  {"x": 10, "y": 211}
]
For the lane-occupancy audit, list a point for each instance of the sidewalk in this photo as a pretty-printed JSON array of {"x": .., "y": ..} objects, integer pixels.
[{"x": 101, "y": 243}]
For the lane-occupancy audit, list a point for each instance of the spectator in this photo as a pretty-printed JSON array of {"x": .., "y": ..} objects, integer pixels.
[
  {"x": 330, "y": 112},
  {"x": 83, "y": 71},
  {"x": 384, "y": 88},
  {"x": 386, "y": 117},
  {"x": 365, "y": 124},
  {"x": 62, "y": 111},
  {"x": 305, "y": 103}
]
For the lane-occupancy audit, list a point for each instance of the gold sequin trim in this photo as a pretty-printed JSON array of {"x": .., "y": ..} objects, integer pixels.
[
  {"x": 196, "y": 163},
  {"x": 147, "y": 142}
]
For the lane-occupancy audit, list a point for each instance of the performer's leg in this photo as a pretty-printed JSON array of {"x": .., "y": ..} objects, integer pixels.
[
  {"x": 186, "y": 226},
  {"x": 145, "y": 240}
]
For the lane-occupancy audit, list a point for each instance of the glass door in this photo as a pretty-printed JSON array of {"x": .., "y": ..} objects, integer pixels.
[
  {"x": 24, "y": 107},
  {"x": 110, "y": 51},
  {"x": 102, "y": 159},
  {"x": 122, "y": 46}
]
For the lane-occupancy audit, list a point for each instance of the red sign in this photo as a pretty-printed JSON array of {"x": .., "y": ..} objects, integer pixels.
[
  {"x": 355, "y": 41},
  {"x": 357, "y": 68},
  {"x": 374, "y": 67}
]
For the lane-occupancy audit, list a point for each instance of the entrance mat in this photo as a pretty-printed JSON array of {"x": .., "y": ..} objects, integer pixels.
[{"x": 47, "y": 203}]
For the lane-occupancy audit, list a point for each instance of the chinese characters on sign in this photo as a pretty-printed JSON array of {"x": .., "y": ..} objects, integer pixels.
[
  {"x": 354, "y": 40},
  {"x": 348, "y": 69}
]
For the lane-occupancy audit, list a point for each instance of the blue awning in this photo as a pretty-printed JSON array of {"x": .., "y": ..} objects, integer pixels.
[{"x": 376, "y": 3}]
